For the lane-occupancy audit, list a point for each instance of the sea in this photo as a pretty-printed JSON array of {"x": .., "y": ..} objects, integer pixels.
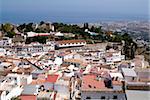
[{"x": 26, "y": 17}]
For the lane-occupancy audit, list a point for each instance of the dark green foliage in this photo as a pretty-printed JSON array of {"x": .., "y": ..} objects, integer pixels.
[
  {"x": 7, "y": 27},
  {"x": 42, "y": 22},
  {"x": 64, "y": 28},
  {"x": 117, "y": 38},
  {"x": 8, "y": 30},
  {"x": 10, "y": 34},
  {"x": 86, "y": 26},
  {"x": 29, "y": 27},
  {"x": 127, "y": 38},
  {"x": 38, "y": 30},
  {"x": 129, "y": 47},
  {"x": 40, "y": 39},
  {"x": 21, "y": 27},
  {"x": 96, "y": 29}
]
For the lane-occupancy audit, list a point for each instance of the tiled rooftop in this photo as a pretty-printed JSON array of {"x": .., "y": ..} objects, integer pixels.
[
  {"x": 89, "y": 82},
  {"x": 52, "y": 78},
  {"x": 70, "y": 41}
]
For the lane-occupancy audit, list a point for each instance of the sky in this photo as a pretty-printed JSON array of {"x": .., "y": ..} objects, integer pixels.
[{"x": 73, "y": 10}]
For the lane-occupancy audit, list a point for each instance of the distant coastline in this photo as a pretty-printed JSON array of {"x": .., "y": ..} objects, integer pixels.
[{"x": 18, "y": 19}]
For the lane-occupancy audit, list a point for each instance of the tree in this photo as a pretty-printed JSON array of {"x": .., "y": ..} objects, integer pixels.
[
  {"x": 92, "y": 29},
  {"x": 29, "y": 27},
  {"x": 10, "y": 34},
  {"x": 130, "y": 46},
  {"x": 38, "y": 30},
  {"x": 40, "y": 39},
  {"x": 42, "y": 22},
  {"x": 116, "y": 38},
  {"x": 126, "y": 37},
  {"x": 21, "y": 27},
  {"x": 7, "y": 27},
  {"x": 96, "y": 29},
  {"x": 86, "y": 26}
]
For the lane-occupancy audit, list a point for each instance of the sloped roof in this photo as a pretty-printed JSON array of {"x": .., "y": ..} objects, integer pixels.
[{"x": 70, "y": 41}]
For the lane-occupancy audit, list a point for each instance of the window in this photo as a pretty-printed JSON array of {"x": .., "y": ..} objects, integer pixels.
[
  {"x": 7, "y": 92},
  {"x": 115, "y": 97},
  {"x": 90, "y": 86},
  {"x": 102, "y": 97},
  {"x": 133, "y": 78},
  {"x": 88, "y": 97},
  {"x": 15, "y": 78}
]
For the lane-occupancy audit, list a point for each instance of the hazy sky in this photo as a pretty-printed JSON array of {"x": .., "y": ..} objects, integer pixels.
[{"x": 69, "y": 9}]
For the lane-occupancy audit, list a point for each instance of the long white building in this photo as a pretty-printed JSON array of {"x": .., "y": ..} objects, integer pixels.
[{"x": 70, "y": 43}]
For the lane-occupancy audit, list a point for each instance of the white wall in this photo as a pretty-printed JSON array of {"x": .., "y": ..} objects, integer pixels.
[
  {"x": 72, "y": 44},
  {"x": 48, "y": 47},
  {"x": 2, "y": 52},
  {"x": 114, "y": 58},
  {"x": 69, "y": 56},
  {"x": 5, "y": 42},
  {"x": 13, "y": 93},
  {"x": 25, "y": 79}
]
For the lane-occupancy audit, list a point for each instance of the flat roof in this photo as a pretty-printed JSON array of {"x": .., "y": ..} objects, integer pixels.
[
  {"x": 116, "y": 74},
  {"x": 137, "y": 95},
  {"x": 30, "y": 89},
  {"x": 74, "y": 60},
  {"x": 129, "y": 72}
]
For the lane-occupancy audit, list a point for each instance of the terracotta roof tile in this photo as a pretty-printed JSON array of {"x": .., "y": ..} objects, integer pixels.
[
  {"x": 70, "y": 41},
  {"x": 38, "y": 81},
  {"x": 52, "y": 78},
  {"x": 89, "y": 82}
]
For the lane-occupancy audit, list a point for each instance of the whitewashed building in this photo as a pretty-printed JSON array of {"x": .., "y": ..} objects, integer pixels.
[
  {"x": 2, "y": 52},
  {"x": 6, "y": 41},
  {"x": 113, "y": 56},
  {"x": 11, "y": 85},
  {"x": 34, "y": 47},
  {"x": 70, "y": 43},
  {"x": 94, "y": 88}
]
